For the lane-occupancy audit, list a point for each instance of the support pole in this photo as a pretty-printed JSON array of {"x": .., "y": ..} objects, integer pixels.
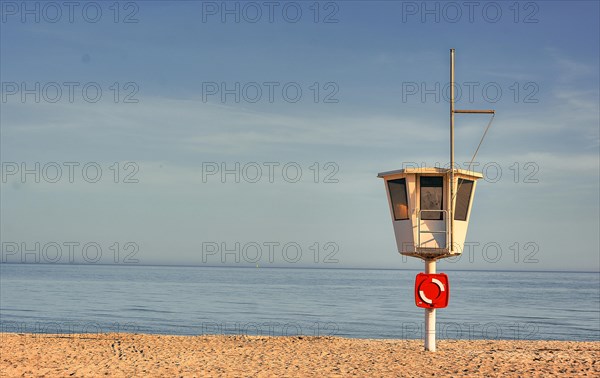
[{"x": 430, "y": 314}]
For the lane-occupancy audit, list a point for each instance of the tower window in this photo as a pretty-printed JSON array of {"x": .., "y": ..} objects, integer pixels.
[
  {"x": 432, "y": 195},
  {"x": 399, "y": 198},
  {"x": 463, "y": 198}
]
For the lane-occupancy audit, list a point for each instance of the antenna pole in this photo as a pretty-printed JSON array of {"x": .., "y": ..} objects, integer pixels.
[
  {"x": 451, "y": 199},
  {"x": 452, "y": 112}
]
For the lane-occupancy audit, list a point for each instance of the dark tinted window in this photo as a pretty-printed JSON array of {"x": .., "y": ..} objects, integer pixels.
[
  {"x": 463, "y": 197},
  {"x": 397, "y": 190},
  {"x": 432, "y": 194}
]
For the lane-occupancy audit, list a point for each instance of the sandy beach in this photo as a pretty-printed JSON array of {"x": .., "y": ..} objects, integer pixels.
[{"x": 129, "y": 355}]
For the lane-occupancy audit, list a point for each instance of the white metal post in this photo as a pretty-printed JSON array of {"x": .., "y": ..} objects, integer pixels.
[{"x": 430, "y": 314}]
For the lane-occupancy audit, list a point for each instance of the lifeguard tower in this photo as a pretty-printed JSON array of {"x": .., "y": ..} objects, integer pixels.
[{"x": 431, "y": 208}]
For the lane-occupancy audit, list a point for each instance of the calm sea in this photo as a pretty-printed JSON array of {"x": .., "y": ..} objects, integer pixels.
[{"x": 272, "y": 301}]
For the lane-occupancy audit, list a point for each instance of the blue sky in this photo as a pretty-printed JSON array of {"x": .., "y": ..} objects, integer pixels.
[{"x": 542, "y": 212}]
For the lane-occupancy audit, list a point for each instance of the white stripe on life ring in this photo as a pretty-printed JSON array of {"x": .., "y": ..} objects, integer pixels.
[
  {"x": 439, "y": 283},
  {"x": 424, "y": 298}
]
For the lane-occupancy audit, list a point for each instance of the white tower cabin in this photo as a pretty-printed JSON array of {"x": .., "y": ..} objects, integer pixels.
[{"x": 426, "y": 223}]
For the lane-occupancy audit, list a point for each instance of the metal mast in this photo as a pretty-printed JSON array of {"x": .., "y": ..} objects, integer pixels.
[
  {"x": 430, "y": 264},
  {"x": 452, "y": 113},
  {"x": 451, "y": 199}
]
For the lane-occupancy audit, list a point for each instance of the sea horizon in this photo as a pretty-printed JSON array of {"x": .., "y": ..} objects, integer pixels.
[
  {"x": 250, "y": 266},
  {"x": 345, "y": 302}
]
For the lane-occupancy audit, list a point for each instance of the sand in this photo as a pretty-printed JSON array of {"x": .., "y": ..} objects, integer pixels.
[{"x": 134, "y": 355}]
